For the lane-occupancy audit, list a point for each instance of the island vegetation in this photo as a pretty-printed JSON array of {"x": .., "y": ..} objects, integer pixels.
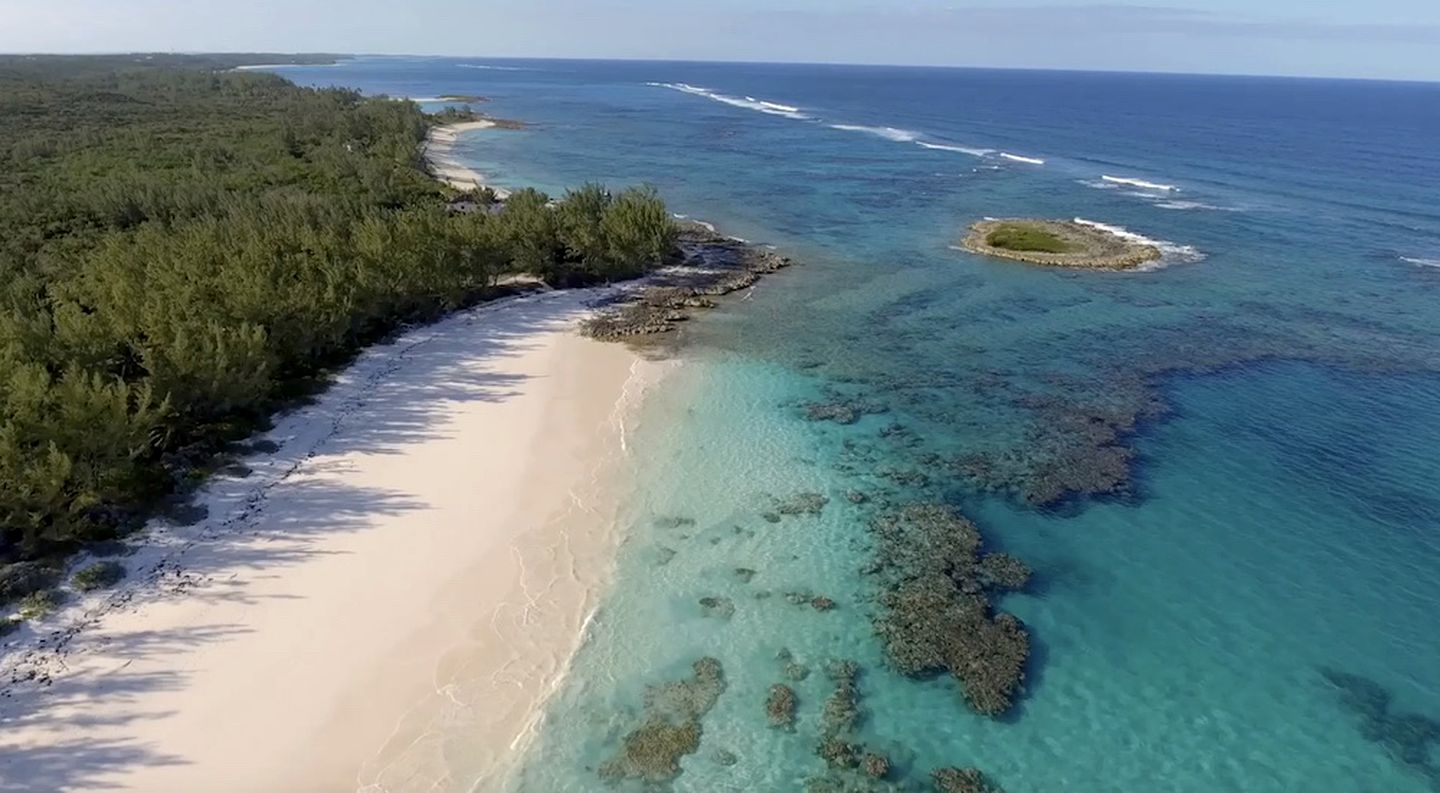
[
  {"x": 185, "y": 248},
  {"x": 1058, "y": 243}
]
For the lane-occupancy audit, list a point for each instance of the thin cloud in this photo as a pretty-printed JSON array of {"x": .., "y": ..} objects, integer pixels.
[{"x": 1163, "y": 20}]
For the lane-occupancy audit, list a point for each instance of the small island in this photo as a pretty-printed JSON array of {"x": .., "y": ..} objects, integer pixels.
[{"x": 1058, "y": 243}]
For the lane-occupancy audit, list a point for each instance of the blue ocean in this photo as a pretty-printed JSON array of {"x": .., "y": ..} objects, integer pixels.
[{"x": 1222, "y": 469}]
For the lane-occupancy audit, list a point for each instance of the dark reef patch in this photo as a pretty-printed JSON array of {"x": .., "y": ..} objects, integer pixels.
[
  {"x": 935, "y": 613},
  {"x": 670, "y": 727},
  {"x": 1411, "y": 739},
  {"x": 780, "y": 706},
  {"x": 960, "y": 780}
]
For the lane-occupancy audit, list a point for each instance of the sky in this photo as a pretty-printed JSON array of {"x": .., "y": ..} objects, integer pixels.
[{"x": 1388, "y": 39}]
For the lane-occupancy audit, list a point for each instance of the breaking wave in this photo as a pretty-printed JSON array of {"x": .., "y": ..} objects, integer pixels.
[
  {"x": 1420, "y": 262},
  {"x": 1141, "y": 183},
  {"x": 747, "y": 102},
  {"x": 1187, "y": 205},
  {"x": 957, "y": 149},
  {"x": 1017, "y": 158},
  {"x": 487, "y": 67},
  {"x": 1170, "y": 252},
  {"x": 888, "y": 133}
]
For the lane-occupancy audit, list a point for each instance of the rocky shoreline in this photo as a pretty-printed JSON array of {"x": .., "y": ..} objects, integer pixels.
[
  {"x": 708, "y": 265},
  {"x": 1092, "y": 248}
]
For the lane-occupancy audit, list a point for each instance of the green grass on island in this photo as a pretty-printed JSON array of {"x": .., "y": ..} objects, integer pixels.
[{"x": 1027, "y": 238}]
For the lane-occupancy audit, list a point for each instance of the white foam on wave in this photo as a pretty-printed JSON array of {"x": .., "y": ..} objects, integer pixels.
[
  {"x": 1420, "y": 262},
  {"x": 889, "y": 133},
  {"x": 1194, "y": 205},
  {"x": 490, "y": 68},
  {"x": 747, "y": 102},
  {"x": 1017, "y": 158},
  {"x": 957, "y": 149},
  {"x": 1170, "y": 252},
  {"x": 1141, "y": 183}
]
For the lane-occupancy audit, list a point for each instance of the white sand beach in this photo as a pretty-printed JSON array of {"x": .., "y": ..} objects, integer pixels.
[
  {"x": 381, "y": 604},
  {"x": 439, "y": 155}
]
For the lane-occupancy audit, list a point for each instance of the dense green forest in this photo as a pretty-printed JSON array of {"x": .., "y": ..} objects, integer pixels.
[{"x": 184, "y": 247}]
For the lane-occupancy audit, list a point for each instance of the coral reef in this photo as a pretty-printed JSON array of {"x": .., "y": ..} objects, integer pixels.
[
  {"x": 1003, "y": 571},
  {"x": 960, "y": 780},
  {"x": 935, "y": 614},
  {"x": 780, "y": 706},
  {"x": 842, "y": 709},
  {"x": 802, "y": 504},
  {"x": 717, "y": 607},
  {"x": 670, "y": 727},
  {"x": 875, "y": 765},
  {"x": 1411, "y": 739},
  {"x": 817, "y": 602},
  {"x": 792, "y": 669}
]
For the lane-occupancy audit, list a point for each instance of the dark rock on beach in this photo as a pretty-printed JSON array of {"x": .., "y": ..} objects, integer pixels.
[{"x": 710, "y": 265}]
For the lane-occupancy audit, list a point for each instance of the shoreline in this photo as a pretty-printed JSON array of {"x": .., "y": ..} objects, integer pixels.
[
  {"x": 439, "y": 156},
  {"x": 434, "y": 531}
]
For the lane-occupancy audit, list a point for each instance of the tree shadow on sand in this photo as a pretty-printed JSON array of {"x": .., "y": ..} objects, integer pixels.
[{"x": 63, "y": 728}]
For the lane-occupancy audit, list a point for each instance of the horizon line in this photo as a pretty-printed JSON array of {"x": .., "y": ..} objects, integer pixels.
[{"x": 716, "y": 61}]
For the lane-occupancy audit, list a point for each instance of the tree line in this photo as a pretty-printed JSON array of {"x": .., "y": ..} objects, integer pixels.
[{"x": 183, "y": 249}]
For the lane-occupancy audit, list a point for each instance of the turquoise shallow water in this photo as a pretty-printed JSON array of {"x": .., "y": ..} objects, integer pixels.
[{"x": 1259, "y": 611}]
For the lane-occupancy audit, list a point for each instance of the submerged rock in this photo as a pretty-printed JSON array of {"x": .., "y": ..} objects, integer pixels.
[
  {"x": 838, "y": 753},
  {"x": 670, "y": 726},
  {"x": 876, "y": 766},
  {"x": 1003, "y": 571},
  {"x": 717, "y": 607},
  {"x": 802, "y": 504},
  {"x": 960, "y": 780},
  {"x": 935, "y": 614},
  {"x": 780, "y": 706},
  {"x": 653, "y": 752},
  {"x": 725, "y": 757}
]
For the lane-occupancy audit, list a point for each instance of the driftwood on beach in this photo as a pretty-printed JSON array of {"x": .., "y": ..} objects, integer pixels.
[{"x": 710, "y": 265}]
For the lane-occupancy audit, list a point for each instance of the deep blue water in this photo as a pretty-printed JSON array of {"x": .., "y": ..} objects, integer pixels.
[{"x": 1260, "y": 611}]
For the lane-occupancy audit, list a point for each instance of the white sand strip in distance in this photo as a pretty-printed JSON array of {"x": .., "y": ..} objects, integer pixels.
[{"x": 440, "y": 156}]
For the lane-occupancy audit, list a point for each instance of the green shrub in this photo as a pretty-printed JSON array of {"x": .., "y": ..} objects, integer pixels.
[
  {"x": 25, "y": 578},
  {"x": 39, "y": 605},
  {"x": 101, "y": 575},
  {"x": 1016, "y": 237}
]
